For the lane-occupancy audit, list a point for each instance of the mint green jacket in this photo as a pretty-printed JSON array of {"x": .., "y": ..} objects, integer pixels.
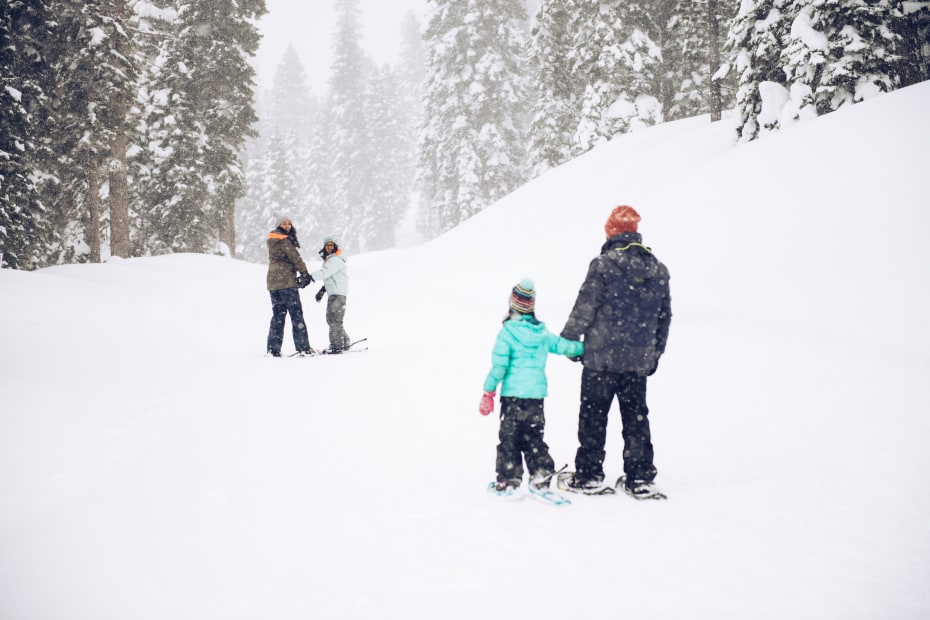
[{"x": 518, "y": 360}]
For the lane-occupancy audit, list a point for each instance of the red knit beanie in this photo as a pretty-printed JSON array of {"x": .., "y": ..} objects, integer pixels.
[{"x": 623, "y": 219}]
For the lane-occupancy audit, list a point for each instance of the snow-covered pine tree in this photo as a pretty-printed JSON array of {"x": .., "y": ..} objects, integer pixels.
[
  {"x": 721, "y": 85},
  {"x": 412, "y": 67},
  {"x": 292, "y": 104},
  {"x": 755, "y": 40},
  {"x": 839, "y": 53},
  {"x": 279, "y": 163},
  {"x": 391, "y": 146},
  {"x": 679, "y": 27},
  {"x": 124, "y": 68},
  {"x": 345, "y": 109},
  {"x": 96, "y": 70},
  {"x": 616, "y": 59},
  {"x": 252, "y": 221},
  {"x": 294, "y": 110},
  {"x": 472, "y": 147},
  {"x": 211, "y": 107},
  {"x": 412, "y": 76},
  {"x": 25, "y": 126},
  {"x": 555, "y": 111},
  {"x": 913, "y": 26},
  {"x": 155, "y": 26}
]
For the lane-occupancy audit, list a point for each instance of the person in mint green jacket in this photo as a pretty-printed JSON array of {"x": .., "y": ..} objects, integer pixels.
[{"x": 518, "y": 365}]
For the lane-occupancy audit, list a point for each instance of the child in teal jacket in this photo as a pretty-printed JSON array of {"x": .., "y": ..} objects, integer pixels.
[{"x": 518, "y": 365}]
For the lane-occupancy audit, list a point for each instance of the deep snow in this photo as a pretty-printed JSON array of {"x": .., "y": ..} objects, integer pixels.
[{"x": 153, "y": 464}]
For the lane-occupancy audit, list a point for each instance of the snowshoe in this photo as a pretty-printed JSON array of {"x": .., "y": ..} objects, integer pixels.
[
  {"x": 566, "y": 481},
  {"x": 506, "y": 488},
  {"x": 639, "y": 489}
]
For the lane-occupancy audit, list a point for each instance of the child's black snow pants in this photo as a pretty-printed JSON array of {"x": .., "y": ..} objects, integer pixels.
[{"x": 521, "y": 436}]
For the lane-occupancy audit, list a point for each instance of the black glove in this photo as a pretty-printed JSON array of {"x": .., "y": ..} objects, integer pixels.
[
  {"x": 319, "y": 293},
  {"x": 304, "y": 279}
]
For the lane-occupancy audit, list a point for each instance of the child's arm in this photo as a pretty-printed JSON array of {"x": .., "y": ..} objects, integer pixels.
[
  {"x": 563, "y": 346},
  {"x": 500, "y": 362}
]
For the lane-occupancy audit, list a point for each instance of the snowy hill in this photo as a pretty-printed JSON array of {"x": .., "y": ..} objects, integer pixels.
[{"x": 153, "y": 464}]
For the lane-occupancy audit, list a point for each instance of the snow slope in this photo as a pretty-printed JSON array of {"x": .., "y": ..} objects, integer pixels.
[{"x": 153, "y": 464}]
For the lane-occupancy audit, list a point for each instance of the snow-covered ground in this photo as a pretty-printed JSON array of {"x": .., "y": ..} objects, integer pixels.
[{"x": 154, "y": 464}]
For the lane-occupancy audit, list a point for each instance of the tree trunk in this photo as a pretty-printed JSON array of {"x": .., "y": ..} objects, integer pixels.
[
  {"x": 713, "y": 37},
  {"x": 93, "y": 207},
  {"x": 228, "y": 230},
  {"x": 120, "y": 242}
]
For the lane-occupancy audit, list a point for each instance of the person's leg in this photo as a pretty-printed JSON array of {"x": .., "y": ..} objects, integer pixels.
[
  {"x": 539, "y": 462},
  {"x": 597, "y": 394},
  {"x": 509, "y": 458},
  {"x": 298, "y": 326},
  {"x": 335, "y": 313},
  {"x": 276, "y": 328},
  {"x": 637, "y": 437}
]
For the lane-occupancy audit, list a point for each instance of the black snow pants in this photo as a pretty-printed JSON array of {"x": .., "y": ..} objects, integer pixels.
[
  {"x": 523, "y": 422},
  {"x": 598, "y": 389}
]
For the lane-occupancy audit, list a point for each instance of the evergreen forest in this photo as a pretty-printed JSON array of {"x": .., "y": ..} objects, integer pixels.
[{"x": 133, "y": 127}]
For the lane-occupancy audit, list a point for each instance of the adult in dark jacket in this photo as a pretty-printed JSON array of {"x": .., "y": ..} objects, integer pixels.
[
  {"x": 284, "y": 265},
  {"x": 623, "y": 312}
]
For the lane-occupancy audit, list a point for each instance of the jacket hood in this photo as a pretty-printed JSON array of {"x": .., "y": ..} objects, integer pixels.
[{"x": 527, "y": 330}]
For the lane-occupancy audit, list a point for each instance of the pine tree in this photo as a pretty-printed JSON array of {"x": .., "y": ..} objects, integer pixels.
[
  {"x": 25, "y": 75},
  {"x": 345, "y": 108},
  {"x": 391, "y": 149},
  {"x": 913, "y": 27},
  {"x": 472, "y": 149},
  {"x": 617, "y": 60},
  {"x": 838, "y": 53},
  {"x": 555, "y": 114},
  {"x": 292, "y": 104},
  {"x": 755, "y": 40},
  {"x": 721, "y": 85},
  {"x": 679, "y": 27},
  {"x": 211, "y": 108},
  {"x": 96, "y": 71},
  {"x": 156, "y": 27},
  {"x": 412, "y": 80}
]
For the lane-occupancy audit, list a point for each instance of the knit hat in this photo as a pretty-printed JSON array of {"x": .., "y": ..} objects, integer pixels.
[
  {"x": 623, "y": 219},
  {"x": 332, "y": 238},
  {"x": 280, "y": 219},
  {"x": 523, "y": 297}
]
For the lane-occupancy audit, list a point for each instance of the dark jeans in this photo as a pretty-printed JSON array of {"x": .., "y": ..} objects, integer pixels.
[
  {"x": 284, "y": 301},
  {"x": 521, "y": 436},
  {"x": 598, "y": 389}
]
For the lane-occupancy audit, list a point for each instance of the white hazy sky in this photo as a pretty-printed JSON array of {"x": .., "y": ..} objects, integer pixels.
[{"x": 308, "y": 25}]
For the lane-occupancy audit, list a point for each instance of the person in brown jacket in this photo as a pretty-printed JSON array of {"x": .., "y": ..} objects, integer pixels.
[{"x": 284, "y": 263}]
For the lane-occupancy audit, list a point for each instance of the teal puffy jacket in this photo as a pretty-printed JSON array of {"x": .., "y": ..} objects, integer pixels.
[{"x": 519, "y": 357}]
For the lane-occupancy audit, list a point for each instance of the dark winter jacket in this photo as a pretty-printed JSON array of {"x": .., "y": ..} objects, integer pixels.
[
  {"x": 284, "y": 261},
  {"x": 623, "y": 309}
]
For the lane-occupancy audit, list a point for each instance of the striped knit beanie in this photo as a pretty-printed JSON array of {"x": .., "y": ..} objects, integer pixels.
[
  {"x": 523, "y": 297},
  {"x": 623, "y": 219}
]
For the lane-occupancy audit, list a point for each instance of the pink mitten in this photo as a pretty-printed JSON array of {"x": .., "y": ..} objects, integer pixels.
[{"x": 487, "y": 403}]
